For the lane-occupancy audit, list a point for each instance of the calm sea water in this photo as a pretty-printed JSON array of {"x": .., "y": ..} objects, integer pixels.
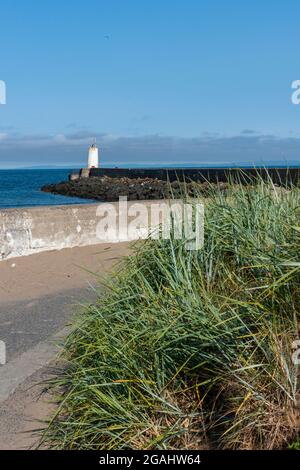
[{"x": 22, "y": 188}]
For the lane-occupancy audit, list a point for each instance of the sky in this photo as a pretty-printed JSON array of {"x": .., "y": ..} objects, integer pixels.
[{"x": 156, "y": 82}]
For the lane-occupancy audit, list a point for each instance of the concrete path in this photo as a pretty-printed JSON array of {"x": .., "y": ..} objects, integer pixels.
[{"x": 38, "y": 296}]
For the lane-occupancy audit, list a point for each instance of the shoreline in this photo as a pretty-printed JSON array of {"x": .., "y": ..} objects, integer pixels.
[
  {"x": 108, "y": 184},
  {"x": 109, "y": 189}
]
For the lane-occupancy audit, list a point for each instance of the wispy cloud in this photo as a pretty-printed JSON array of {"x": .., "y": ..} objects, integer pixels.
[
  {"x": 249, "y": 132},
  {"x": 70, "y": 148}
]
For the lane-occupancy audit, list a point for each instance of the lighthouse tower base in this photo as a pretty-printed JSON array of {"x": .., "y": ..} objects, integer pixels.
[{"x": 93, "y": 158}]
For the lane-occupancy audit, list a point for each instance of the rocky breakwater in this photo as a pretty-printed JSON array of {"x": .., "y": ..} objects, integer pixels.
[{"x": 110, "y": 189}]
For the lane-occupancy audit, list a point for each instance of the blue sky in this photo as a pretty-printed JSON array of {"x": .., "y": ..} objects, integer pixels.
[{"x": 156, "y": 82}]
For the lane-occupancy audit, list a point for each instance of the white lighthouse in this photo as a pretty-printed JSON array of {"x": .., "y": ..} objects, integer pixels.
[{"x": 93, "y": 160}]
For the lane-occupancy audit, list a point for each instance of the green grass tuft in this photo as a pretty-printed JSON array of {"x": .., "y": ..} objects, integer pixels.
[{"x": 192, "y": 349}]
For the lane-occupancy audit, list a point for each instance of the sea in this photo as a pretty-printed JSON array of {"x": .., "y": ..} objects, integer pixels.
[{"x": 22, "y": 188}]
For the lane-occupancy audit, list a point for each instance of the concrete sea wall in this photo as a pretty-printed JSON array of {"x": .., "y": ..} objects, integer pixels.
[{"x": 32, "y": 230}]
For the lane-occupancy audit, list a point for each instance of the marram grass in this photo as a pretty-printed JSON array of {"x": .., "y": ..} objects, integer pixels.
[{"x": 193, "y": 349}]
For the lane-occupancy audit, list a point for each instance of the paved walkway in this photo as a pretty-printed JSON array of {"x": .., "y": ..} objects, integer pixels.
[{"x": 38, "y": 296}]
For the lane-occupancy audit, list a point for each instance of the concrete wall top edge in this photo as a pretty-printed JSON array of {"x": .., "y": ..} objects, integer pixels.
[{"x": 43, "y": 209}]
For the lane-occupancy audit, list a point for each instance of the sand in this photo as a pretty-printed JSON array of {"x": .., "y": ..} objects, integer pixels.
[{"x": 50, "y": 272}]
